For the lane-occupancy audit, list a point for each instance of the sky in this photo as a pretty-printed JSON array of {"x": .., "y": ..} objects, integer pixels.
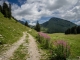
[{"x": 43, "y": 10}]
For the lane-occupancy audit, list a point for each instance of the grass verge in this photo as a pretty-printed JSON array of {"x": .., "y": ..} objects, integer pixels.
[{"x": 22, "y": 52}]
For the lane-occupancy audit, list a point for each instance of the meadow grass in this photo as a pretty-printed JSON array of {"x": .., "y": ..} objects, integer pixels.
[
  {"x": 22, "y": 52},
  {"x": 73, "y": 40},
  {"x": 10, "y": 31},
  {"x": 32, "y": 32}
]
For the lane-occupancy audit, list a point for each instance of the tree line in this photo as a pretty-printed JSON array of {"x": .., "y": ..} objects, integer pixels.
[
  {"x": 37, "y": 27},
  {"x": 5, "y": 9},
  {"x": 73, "y": 30}
]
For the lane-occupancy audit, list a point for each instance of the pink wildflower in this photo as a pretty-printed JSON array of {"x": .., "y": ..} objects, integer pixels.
[
  {"x": 60, "y": 42},
  {"x": 44, "y": 35}
]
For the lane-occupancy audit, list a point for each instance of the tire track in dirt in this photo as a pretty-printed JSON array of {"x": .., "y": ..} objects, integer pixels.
[
  {"x": 6, "y": 55},
  {"x": 33, "y": 49}
]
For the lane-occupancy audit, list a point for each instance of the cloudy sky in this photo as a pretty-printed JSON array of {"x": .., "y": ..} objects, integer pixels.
[{"x": 43, "y": 10}]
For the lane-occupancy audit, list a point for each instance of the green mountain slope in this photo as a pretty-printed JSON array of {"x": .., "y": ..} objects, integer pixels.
[
  {"x": 56, "y": 25},
  {"x": 10, "y": 30}
]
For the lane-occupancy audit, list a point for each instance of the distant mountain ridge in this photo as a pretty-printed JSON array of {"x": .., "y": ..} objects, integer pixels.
[
  {"x": 57, "y": 25},
  {"x": 22, "y": 22}
]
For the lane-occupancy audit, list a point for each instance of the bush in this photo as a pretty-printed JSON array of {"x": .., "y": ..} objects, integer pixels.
[{"x": 61, "y": 50}]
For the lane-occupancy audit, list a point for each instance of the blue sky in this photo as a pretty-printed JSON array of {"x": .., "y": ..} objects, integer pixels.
[
  {"x": 18, "y": 2},
  {"x": 43, "y": 10},
  {"x": 14, "y": 1}
]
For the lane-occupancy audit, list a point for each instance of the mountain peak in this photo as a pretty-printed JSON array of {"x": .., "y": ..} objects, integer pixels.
[{"x": 55, "y": 25}]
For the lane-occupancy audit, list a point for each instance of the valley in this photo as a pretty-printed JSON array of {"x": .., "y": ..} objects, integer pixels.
[{"x": 32, "y": 30}]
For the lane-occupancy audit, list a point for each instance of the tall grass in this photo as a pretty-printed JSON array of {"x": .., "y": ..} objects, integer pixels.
[
  {"x": 61, "y": 51},
  {"x": 73, "y": 40},
  {"x": 43, "y": 39}
]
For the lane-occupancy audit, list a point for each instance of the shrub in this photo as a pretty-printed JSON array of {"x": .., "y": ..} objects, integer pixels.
[{"x": 61, "y": 50}]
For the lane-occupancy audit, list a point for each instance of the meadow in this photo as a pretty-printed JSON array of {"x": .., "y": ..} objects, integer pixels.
[
  {"x": 73, "y": 40},
  {"x": 10, "y": 31}
]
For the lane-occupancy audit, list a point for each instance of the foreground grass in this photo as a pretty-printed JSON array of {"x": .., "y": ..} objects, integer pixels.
[
  {"x": 73, "y": 40},
  {"x": 22, "y": 52},
  {"x": 10, "y": 31}
]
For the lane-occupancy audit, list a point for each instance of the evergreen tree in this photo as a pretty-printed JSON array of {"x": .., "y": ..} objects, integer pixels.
[
  {"x": 26, "y": 24},
  {"x": 9, "y": 11},
  {"x": 0, "y": 8},
  {"x": 37, "y": 27},
  {"x": 68, "y": 31},
  {"x": 5, "y": 10},
  {"x": 74, "y": 30},
  {"x": 78, "y": 29}
]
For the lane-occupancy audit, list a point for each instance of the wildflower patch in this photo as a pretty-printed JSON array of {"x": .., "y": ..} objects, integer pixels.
[
  {"x": 44, "y": 39},
  {"x": 61, "y": 50}
]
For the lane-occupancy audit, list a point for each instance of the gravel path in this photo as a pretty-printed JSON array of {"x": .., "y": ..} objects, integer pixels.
[
  {"x": 6, "y": 55},
  {"x": 33, "y": 49}
]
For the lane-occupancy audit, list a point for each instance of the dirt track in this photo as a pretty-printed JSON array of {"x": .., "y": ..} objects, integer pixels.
[{"x": 6, "y": 55}]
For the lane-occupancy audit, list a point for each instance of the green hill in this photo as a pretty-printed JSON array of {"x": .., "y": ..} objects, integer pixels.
[
  {"x": 56, "y": 25},
  {"x": 10, "y": 30}
]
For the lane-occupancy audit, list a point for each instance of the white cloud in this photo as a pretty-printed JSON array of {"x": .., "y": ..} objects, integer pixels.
[
  {"x": 21, "y": 1},
  {"x": 73, "y": 14},
  {"x": 1, "y": 2},
  {"x": 31, "y": 23},
  {"x": 78, "y": 23},
  {"x": 33, "y": 10}
]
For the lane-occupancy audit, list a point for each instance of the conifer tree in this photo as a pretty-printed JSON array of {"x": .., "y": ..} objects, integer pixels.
[
  {"x": 26, "y": 24},
  {"x": 68, "y": 31},
  {"x": 74, "y": 30},
  {"x": 78, "y": 29},
  {"x": 9, "y": 11},
  {"x": 0, "y": 8},
  {"x": 37, "y": 27},
  {"x": 5, "y": 10}
]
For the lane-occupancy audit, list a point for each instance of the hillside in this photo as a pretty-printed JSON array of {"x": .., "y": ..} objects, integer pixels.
[
  {"x": 56, "y": 25},
  {"x": 10, "y": 30},
  {"x": 14, "y": 42}
]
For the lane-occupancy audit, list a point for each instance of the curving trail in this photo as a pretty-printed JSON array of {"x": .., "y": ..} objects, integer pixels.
[
  {"x": 6, "y": 55},
  {"x": 33, "y": 49}
]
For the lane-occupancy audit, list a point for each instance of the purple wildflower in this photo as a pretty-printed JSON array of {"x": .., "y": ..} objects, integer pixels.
[
  {"x": 60, "y": 42},
  {"x": 44, "y": 35},
  {"x": 62, "y": 48}
]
